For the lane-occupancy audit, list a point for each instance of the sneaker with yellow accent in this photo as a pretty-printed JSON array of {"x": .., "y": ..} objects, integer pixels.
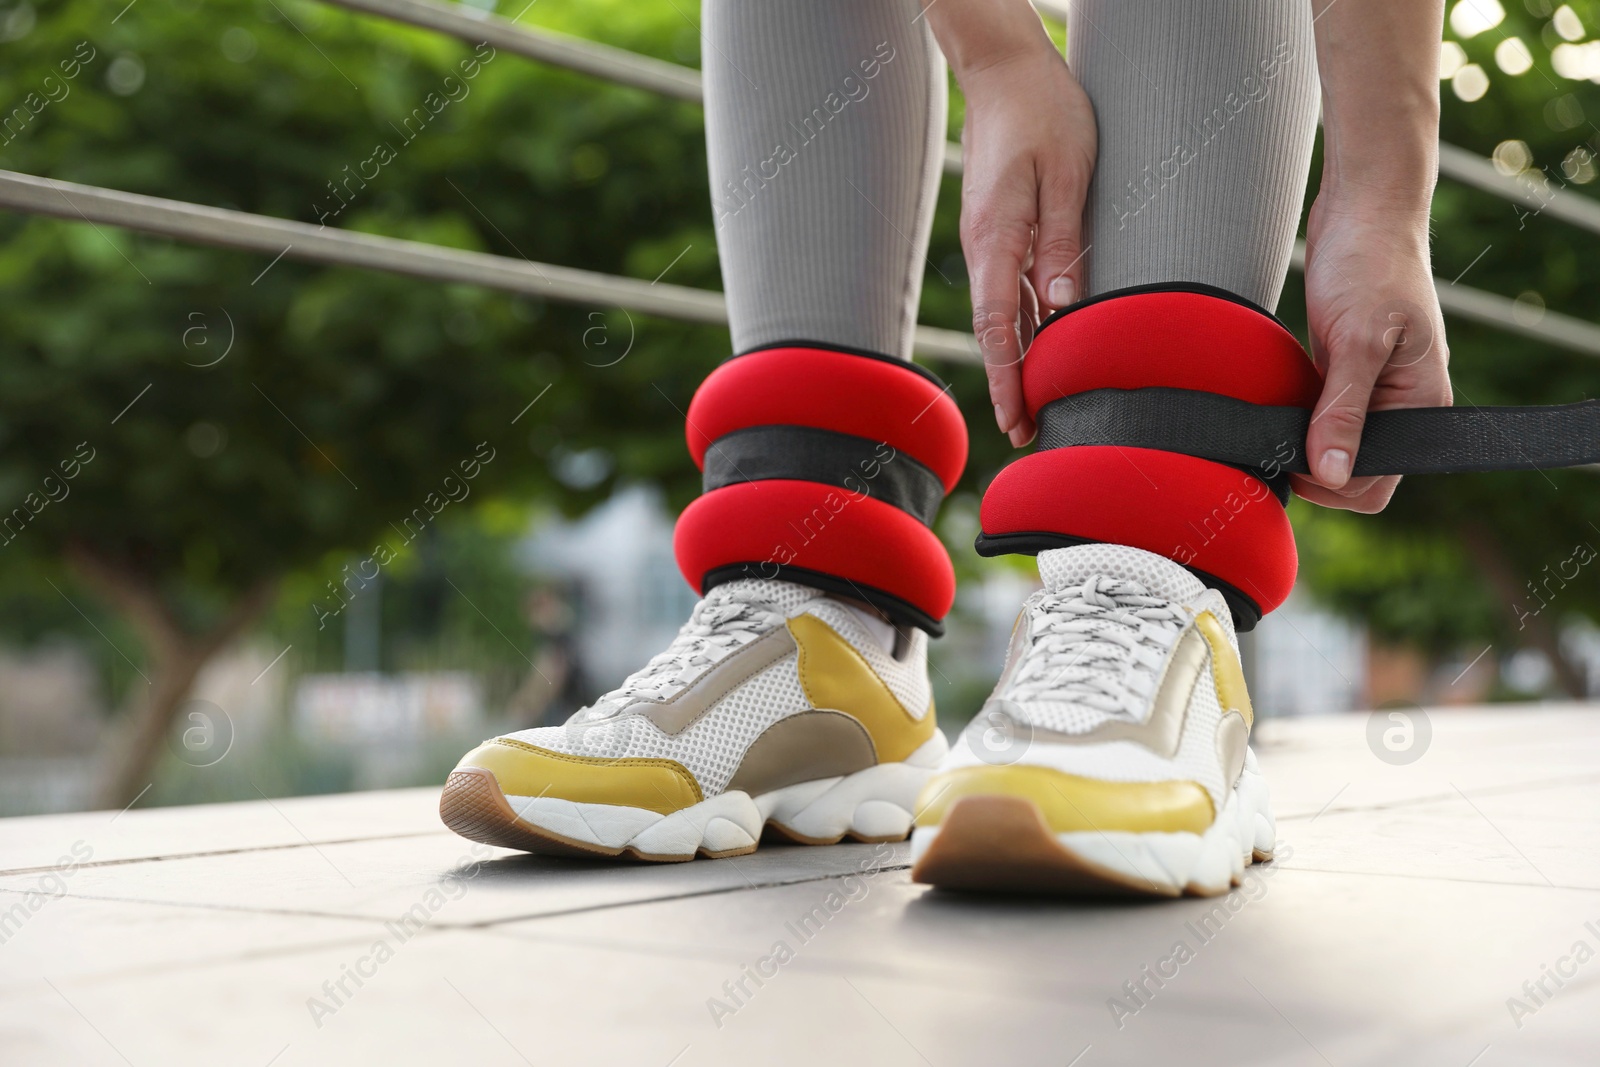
[
  {"x": 1113, "y": 755},
  {"x": 776, "y": 706}
]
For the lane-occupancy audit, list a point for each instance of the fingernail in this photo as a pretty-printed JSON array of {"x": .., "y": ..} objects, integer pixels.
[
  {"x": 1019, "y": 437},
  {"x": 1062, "y": 292},
  {"x": 1001, "y": 418},
  {"x": 1335, "y": 467}
]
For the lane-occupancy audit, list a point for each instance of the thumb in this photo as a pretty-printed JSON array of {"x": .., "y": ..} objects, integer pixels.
[
  {"x": 1058, "y": 260},
  {"x": 1334, "y": 436}
]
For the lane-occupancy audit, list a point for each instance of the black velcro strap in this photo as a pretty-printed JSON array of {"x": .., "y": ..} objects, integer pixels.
[
  {"x": 1273, "y": 439},
  {"x": 860, "y": 466}
]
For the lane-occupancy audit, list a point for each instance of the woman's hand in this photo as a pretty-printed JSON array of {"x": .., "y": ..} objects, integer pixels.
[
  {"x": 1376, "y": 334},
  {"x": 1029, "y": 149}
]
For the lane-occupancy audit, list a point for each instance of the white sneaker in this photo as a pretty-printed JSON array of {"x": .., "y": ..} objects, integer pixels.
[
  {"x": 1113, "y": 755},
  {"x": 775, "y": 705}
]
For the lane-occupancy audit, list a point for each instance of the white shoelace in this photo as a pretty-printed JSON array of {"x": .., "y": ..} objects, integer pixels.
[
  {"x": 1099, "y": 645},
  {"x": 722, "y": 622}
]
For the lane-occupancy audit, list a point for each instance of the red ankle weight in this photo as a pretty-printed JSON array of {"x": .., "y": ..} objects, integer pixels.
[
  {"x": 825, "y": 467},
  {"x": 1225, "y": 523}
]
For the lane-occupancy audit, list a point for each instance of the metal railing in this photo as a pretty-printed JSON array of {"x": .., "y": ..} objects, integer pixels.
[
  {"x": 297, "y": 240},
  {"x": 1503, "y": 313},
  {"x": 1469, "y": 168},
  {"x": 227, "y": 228},
  {"x": 475, "y": 26}
]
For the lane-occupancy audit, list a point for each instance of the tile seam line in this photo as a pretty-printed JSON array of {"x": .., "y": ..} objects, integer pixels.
[
  {"x": 234, "y": 909},
  {"x": 481, "y": 924},
  {"x": 1434, "y": 798},
  {"x": 1455, "y": 880},
  {"x": 825, "y": 965},
  {"x": 187, "y": 966},
  {"x": 1517, "y": 787},
  {"x": 172, "y": 856},
  {"x": 680, "y": 896}
]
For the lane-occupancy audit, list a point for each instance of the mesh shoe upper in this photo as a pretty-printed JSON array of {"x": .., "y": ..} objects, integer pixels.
[
  {"x": 731, "y": 619},
  {"x": 1089, "y": 660}
]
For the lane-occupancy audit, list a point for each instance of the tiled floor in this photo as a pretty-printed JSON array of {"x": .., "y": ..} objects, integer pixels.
[{"x": 1409, "y": 906}]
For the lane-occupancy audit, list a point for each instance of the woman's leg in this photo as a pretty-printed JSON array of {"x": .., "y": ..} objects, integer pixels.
[
  {"x": 1207, "y": 111},
  {"x": 825, "y": 455},
  {"x": 825, "y": 127}
]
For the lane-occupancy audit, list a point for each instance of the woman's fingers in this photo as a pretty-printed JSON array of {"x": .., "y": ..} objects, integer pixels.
[
  {"x": 1032, "y": 310},
  {"x": 1029, "y": 144},
  {"x": 1366, "y": 495},
  {"x": 1057, "y": 273},
  {"x": 1004, "y": 234},
  {"x": 1353, "y": 364},
  {"x": 1377, "y": 336},
  {"x": 996, "y": 229},
  {"x": 997, "y": 324}
]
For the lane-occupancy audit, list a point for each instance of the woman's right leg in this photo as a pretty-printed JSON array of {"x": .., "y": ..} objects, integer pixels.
[
  {"x": 825, "y": 129},
  {"x": 825, "y": 134}
]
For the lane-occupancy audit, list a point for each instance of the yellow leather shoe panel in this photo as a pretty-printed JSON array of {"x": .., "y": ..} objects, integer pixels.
[
  {"x": 1225, "y": 668},
  {"x": 1070, "y": 803},
  {"x": 525, "y": 770},
  {"x": 836, "y": 678}
]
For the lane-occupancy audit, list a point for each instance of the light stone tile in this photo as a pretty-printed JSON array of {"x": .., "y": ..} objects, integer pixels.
[
  {"x": 44, "y": 840},
  {"x": 442, "y": 878},
  {"x": 1372, "y": 970},
  {"x": 1326, "y": 764},
  {"x": 440, "y": 998},
  {"x": 73, "y": 939},
  {"x": 217, "y": 957},
  {"x": 1506, "y": 838},
  {"x": 1359, "y": 971}
]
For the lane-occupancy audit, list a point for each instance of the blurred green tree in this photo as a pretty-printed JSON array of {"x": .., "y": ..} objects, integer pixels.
[
  {"x": 229, "y": 421},
  {"x": 1468, "y": 559}
]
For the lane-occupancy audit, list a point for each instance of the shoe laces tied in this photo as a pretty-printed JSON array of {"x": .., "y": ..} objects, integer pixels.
[
  {"x": 1099, "y": 645},
  {"x": 727, "y": 619}
]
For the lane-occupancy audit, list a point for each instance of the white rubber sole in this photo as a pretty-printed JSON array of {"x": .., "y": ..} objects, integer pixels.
[
  {"x": 875, "y": 804},
  {"x": 981, "y": 850}
]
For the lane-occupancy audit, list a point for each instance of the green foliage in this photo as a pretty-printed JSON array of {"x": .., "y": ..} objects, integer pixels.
[
  {"x": 345, "y": 397},
  {"x": 1396, "y": 582},
  {"x": 450, "y": 599},
  {"x": 1404, "y": 570}
]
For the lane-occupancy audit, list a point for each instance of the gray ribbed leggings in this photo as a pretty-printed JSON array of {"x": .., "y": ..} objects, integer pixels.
[{"x": 825, "y": 125}]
